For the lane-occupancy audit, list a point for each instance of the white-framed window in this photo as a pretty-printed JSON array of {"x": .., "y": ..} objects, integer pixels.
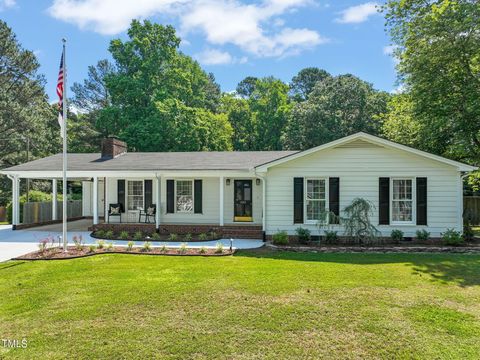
[
  {"x": 315, "y": 199},
  {"x": 135, "y": 194},
  {"x": 402, "y": 200},
  {"x": 184, "y": 196}
]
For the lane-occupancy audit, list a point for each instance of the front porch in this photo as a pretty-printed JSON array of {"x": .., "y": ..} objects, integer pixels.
[{"x": 177, "y": 203}]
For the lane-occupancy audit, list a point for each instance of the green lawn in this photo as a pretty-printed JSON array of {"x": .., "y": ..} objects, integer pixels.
[{"x": 249, "y": 306}]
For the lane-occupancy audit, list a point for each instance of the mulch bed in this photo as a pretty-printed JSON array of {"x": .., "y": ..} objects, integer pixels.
[
  {"x": 163, "y": 237},
  {"x": 72, "y": 252},
  {"x": 469, "y": 248}
]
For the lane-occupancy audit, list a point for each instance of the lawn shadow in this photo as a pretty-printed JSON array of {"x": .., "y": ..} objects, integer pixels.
[
  {"x": 460, "y": 269},
  {"x": 9, "y": 265}
]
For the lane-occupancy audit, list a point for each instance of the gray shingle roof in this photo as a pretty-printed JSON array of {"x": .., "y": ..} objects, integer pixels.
[{"x": 227, "y": 160}]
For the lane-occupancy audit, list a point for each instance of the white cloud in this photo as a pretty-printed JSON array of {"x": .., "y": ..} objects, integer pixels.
[
  {"x": 218, "y": 57},
  {"x": 107, "y": 17},
  {"x": 358, "y": 13},
  {"x": 7, "y": 4},
  {"x": 253, "y": 27},
  {"x": 389, "y": 49}
]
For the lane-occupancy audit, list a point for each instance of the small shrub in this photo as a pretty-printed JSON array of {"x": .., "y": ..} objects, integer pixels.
[
  {"x": 187, "y": 237},
  {"x": 172, "y": 237},
  {"x": 422, "y": 235},
  {"x": 183, "y": 248},
  {"x": 138, "y": 236},
  {"x": 213, "y": 235},
  {"x": 43, "y": 245},
  {"x": 130, "y": 245},
  {"x": 147, "y": 246},
  {"x": 304, "y": 235},
  {"x": 280, "y": 238},
  {"x": 203, "y": 237},
  {"x": 218, "y": 248},
  {"x": 396, "y": 235},
  {"x": 155, "y": 236},
  {"x": 452, "y": 237},
  {"x": 100, "y": 244},
  {"x": 109, "y": 234},
  {"x": 123, "y": 235},
  {"x": 163, "y": 248},
  {"x": 91, "y": 248},
  {"x": 202, "y": 250},
  {"x": 331, "y": 237},
  {"x": 78, "y": 242},
  {"x": 109, "y": 246},
  {"x": 100, "y": 233}
]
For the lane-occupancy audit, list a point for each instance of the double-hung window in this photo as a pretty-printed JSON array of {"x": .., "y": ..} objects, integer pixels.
[
  {"x": 402, "y": 200},
  {"x": 315, "y": 200},
  {"x": 184, "y": 196},
  {"x": 135, "y": 194}
]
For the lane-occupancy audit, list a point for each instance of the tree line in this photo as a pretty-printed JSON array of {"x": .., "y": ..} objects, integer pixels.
[{"x": 158, "y": 99}]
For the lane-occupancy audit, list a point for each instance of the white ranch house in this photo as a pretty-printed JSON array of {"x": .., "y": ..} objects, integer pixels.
[{"x": 262, "y": 192}]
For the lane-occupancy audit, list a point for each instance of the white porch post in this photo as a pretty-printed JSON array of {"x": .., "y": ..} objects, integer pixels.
[
  {"x": 15, "y": 201},
  {"x": 157, "y": 201},
  {"x": 54, "y": 199},
  {"x": 105, "y": 202},
  {"x": 221, "y": 200},
  {"x": 95, "y": 200},
  {"x": 264, "y": 204}
]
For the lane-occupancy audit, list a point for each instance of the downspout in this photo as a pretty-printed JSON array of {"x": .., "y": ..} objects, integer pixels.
[
  {"x": 463, "y": 175},
  {"x": 157, "y": 200}
]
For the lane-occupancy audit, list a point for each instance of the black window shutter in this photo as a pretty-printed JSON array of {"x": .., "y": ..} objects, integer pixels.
[
  {"x": 197, "y": 194},
  {"x": 334, "y": 198},
  {"x": 421, "y": 201},
  {"x": 384, "y": 201},
  {"x": 148, "y": 193},
  {"x": 170, "y": 196},
  {"x": 298, "y": 200},
  {"x": 121, "y": 194}
]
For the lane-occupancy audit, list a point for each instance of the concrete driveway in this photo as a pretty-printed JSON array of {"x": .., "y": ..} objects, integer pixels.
[{"x": 19, "y": 242}]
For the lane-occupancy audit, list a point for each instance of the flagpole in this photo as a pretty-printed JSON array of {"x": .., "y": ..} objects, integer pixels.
[{"x": 64, "y": 157}]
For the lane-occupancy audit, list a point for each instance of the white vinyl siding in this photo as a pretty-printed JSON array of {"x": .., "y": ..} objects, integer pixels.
[{"x": 359, "y": 170}]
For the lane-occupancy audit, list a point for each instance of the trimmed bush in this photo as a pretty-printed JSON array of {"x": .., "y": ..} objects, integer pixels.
[
  {"x": 396, "y": 235},
  {"x": 304, "y": 235},
  {"x": 155, "y": 236},
  {"x": 331, "y": 237},
  {"x": 203, "y": 237},
  {"x": 422, "y": 235},
  {"x": 109, "y": 234},
  {"x": 452, "y": 237},
  {"x": 172, "y": 237},
  {"x": 280, "y": 238},
  {"x": 138, "y": 236},
  {"x": 123, "y": 235},
  {"x": 187, "y": 237}
]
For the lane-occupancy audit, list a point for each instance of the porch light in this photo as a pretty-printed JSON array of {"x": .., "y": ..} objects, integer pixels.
[
  {"x": 227, "y": 182},
  {"x": 257, "y": 181}
]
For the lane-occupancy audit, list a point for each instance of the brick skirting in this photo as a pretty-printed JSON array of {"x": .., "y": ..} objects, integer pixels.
[{"x": 228, "y": 231}]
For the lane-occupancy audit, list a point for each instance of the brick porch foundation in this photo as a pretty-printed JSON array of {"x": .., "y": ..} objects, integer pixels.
[{"x": 227, "y": 231}]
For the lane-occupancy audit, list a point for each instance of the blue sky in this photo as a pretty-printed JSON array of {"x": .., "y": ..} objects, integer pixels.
[{"x": 231, "y": 38}]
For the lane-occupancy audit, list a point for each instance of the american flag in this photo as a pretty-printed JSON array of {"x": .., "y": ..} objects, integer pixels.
[{"x": 60, "y": 93}]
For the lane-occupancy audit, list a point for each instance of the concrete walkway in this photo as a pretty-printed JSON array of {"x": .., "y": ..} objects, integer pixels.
[{"x": 19, "y": 242}]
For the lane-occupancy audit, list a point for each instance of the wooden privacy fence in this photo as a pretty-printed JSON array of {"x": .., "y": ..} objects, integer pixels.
[
  {"x": 38, "y": 212},
  {"x": 3, "y": 214},
  {"x": 471, "y": 209}
]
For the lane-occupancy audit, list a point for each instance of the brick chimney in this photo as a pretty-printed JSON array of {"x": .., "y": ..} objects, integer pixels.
[{"x": 113, "y": 147}]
